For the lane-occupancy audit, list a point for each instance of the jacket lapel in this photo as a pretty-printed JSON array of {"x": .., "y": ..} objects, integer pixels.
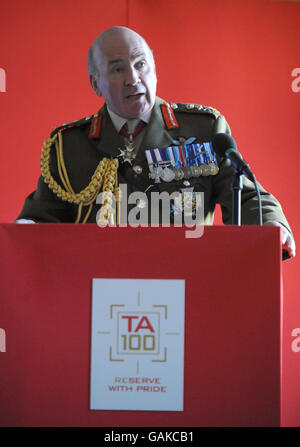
[
  {"x": 156, "y": 134},
  {"x": 110, "y": 140}
]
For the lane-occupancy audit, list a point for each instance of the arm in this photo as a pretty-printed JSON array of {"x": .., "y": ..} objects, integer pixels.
[{"x": 271, "y": 208}]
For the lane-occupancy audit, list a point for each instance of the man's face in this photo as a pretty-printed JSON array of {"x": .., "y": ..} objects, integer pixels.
[{"x": 127, "y": 78}]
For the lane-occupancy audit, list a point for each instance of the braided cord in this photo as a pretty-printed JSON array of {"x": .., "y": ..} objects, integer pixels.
[{"x": 105, "y": 173}]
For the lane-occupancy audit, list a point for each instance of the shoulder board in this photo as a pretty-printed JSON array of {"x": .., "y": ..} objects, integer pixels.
[
  {"x": 93, "y": 120},
  {"x": 168, "y": 116},
  {"x": 194, "y": 108}
]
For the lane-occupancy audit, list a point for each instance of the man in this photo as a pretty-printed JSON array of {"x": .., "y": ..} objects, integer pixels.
[{"x": 76, "y": 159}]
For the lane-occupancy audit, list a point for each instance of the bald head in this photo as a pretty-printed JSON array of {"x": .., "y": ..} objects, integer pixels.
[
  {"x": 122, "y": 70},
  {"x": 106, "y": 38}
]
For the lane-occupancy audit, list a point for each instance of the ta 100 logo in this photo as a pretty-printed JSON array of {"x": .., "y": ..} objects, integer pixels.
[
  {"x": 138, "y": 333},
  {"x": 137, "y": 344}
]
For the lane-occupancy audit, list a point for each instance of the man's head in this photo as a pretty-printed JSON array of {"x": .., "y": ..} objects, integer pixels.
[{"x": 122, "y": 70}]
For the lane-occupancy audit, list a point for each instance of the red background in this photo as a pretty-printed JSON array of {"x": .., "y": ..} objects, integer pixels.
[{"x": 234, "y": 55}]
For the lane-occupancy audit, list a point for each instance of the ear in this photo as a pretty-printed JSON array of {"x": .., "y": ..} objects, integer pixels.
[{"x": 95, "y": 85}]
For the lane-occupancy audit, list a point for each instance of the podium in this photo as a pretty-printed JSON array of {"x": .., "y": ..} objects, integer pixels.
[{"x": 232, "y": 321}]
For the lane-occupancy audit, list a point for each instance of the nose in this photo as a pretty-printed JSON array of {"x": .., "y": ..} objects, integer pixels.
[{"x": 133, "y": 77}]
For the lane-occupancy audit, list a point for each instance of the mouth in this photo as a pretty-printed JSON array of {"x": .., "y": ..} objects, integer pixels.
[{"x": 135, "y": 95}]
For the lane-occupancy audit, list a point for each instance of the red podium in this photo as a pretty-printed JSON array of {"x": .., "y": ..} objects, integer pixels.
[{"x": 232, "y": 321}]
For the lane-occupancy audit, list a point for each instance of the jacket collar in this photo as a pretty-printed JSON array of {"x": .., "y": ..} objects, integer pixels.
[{"x": 156, "y": 135}]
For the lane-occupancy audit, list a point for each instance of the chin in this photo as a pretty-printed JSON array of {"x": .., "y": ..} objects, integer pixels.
[{"x": 137, "y": 113}]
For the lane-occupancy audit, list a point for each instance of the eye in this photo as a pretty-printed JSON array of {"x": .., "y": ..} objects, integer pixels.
[
  {"x": 141, "y": 64},
  {"x": 116, "y": 69}
]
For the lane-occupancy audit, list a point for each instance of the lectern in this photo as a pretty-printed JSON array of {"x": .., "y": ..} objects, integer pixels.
[{"x": 232, "y": 321}]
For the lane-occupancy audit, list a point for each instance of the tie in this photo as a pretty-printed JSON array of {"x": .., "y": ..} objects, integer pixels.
[{"x": 130, "y": 136}]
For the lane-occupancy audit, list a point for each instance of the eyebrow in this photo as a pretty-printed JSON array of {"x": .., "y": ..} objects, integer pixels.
[
  {"x": 139, "y": 54},
  {"x": 115, "y": 61},
  {"x": 135, "y": 56}
]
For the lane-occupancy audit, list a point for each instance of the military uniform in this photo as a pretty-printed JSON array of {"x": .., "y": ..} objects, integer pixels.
[{"x": 87, "y": 141}]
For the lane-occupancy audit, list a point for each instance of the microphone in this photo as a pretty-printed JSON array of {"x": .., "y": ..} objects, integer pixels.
[{"x": 225, "y": 146}]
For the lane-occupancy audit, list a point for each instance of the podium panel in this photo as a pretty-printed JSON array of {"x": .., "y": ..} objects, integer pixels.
[{"x": 232, "y": 321}]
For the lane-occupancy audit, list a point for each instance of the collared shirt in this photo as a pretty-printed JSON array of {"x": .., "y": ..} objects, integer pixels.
[{"x": 119, "y": 121}]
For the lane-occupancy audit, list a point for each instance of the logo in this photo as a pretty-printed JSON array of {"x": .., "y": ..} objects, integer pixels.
[
  {"x": 138, "y": 332},
  {"x": 296, "y": 82},
  {"x": 2, "y": 340},
  {"x": 295, "y": 345},
  {"x": 137, "y": 344},
  {"x": 139, "y": 209},
  {"x": 2, "y": 80}
]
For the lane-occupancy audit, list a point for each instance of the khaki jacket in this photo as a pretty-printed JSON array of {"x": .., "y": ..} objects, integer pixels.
[{"x": 82, "y": 155}]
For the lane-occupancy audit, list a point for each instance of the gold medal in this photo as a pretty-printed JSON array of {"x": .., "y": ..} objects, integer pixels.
[{"x": 213, "y": 169}]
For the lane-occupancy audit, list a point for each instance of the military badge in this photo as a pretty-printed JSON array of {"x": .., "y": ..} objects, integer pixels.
[{"x": 181, "y": 162}]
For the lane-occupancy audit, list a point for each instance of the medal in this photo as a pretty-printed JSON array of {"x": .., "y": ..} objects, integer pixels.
[
  {"x": 205, "y": 170},
  {"x": 188, "y": 201},
  {"x": 213, "y": 165},
  {"x": 187, "y": 172},
  {"x": 213, "y": 169},
  {"x": 127, "y": 154},
  {"x": 155, "y": 174},
  {"x": 196, "y": 171},
  {"x": 167, "y": 175},
  {"x": 185, "y": 161},
  {"x": 205, "y": 165},
  {"x": 178, "y": 174},
  {"x": 141, "y": 203},
  {"x": 182, "y": 141},
  {"x": 137, "y": 169}
]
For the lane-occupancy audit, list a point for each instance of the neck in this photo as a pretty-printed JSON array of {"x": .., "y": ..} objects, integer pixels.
[{"x": 119, "y": 121}]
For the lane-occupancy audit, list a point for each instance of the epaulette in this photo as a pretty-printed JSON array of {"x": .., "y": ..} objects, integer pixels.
[
  {"x": 95, "y": 122},
  {"x": 194, "y": 108}
]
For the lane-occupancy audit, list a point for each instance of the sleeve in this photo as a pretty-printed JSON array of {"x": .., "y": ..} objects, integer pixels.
[
  {"x": 43, "y": 205},
  {"x": 271, "y": 208}
]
